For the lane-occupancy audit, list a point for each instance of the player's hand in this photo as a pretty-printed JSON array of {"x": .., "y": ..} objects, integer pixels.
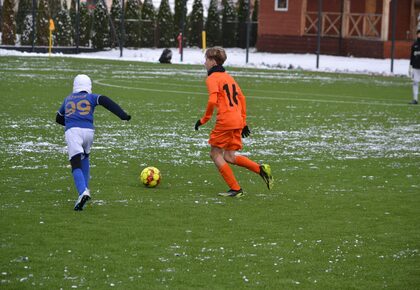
[
  {"x": 410, "y": 71},
  {"x": 245, "y": 132},
  {"x": 197, "y": 124},
  {"x": 128, "y": 118}
]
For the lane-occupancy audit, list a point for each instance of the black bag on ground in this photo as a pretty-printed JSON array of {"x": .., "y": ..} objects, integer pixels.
[{"x": 166, "y": 56}]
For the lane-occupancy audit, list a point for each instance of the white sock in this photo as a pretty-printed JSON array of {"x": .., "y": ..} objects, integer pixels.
[{"x": 415, "y": 90}]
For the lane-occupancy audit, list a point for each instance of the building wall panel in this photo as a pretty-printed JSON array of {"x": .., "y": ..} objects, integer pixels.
[
  {"x": 281, "y": 31},
  {"x": 280, "y": 22}
]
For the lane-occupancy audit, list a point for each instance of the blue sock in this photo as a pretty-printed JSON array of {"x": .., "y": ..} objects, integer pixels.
[
  {"x": 86, "y": 170},
  {"x": 79, "y": 180}
]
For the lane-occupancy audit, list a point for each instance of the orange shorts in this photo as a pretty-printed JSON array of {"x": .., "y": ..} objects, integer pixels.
[{"x": 226, "y": 139}]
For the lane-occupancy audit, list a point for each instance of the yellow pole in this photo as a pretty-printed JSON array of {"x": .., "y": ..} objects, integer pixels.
[
  {"x": 50, "y": 44},
  {"x": 52, "y": 28},
  {"x": 203, "y": 37}
]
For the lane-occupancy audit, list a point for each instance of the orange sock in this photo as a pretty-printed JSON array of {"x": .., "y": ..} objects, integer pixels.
[
  {"x": 228, "y": 176},
  {"x": 247, "y": 163}
]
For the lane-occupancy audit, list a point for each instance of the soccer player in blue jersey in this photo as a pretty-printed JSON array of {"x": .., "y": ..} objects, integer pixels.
[{"x": 76, "y": 114}]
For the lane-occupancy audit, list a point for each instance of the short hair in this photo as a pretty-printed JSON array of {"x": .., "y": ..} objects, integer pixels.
[
  {"x": 418, "y": 31},
  {"x": 216, "y": 53}
]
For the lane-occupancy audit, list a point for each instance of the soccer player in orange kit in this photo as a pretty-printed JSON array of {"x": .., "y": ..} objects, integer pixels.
[{"x": 226, "y": 96}]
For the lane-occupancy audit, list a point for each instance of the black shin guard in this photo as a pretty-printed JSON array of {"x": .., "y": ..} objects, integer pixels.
[{"x": 76, "y": 162}]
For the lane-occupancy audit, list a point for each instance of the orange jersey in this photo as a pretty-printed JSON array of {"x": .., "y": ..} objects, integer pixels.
[{"x": 225, "y": 95}]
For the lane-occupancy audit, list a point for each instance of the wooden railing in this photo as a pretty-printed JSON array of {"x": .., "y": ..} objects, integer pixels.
[
  {"x": 351, "y": 25},
  {"x": 330, "y": 24},
  {"x": 364, "y": 25}
]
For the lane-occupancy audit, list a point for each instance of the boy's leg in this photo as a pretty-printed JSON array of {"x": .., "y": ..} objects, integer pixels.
[
  {"x": 263, "y": 170},
  {"x": 75, "y": 140},
  {"x": 224, "y": 168},
  {"x": 78, "y": 177},
  {"x": 247, "y": 163},
  {"x": 86, "y": 169},
  {"x": 88, "y": 135},
  {"x": 415, "y": 90},
  {"x": 79, "y": 181},
  {"x": 416, "y": 79},
  {"x": 229, "y": 177},
  {"x": 265, "y": 173}
]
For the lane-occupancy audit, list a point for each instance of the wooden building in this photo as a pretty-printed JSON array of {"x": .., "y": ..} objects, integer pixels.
[{"x": 361, "y": 28}]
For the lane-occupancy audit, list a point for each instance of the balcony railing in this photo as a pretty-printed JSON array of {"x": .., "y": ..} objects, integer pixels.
[{"x": 351, "y": 25}]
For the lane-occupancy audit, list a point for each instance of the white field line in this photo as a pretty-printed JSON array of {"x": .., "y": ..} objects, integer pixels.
[
  {"x": 281, "y": 92},
  {"x": 99, "y": 82},
  {"x": 315, "y": 95}
]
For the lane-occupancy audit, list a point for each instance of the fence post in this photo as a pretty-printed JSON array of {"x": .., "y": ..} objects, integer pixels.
[
  {"x": 318, "y": 42},
  {"x": 248, "y": 29},
  {"x": 33, "y": 24},
  {"x": 1, "y": 9},
  {"x": 394, "y": 24},
  {"x": 122, "y": 32},
  {"x": 181, "y": 51},
  {"x": 77, "y": 26}
]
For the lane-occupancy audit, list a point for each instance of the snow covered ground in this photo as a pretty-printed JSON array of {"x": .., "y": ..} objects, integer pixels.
[{"x": 237, "y": 58}]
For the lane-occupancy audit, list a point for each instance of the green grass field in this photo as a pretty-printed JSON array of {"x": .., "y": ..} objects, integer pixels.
[{"x": 344, "y": 213}]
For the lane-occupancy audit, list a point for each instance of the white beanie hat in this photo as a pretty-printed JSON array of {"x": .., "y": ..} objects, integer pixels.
[{"x": 82, "y": 83}]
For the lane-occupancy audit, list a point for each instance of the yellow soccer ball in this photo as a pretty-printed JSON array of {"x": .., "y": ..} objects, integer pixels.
[{"x": 150, "y": 176}]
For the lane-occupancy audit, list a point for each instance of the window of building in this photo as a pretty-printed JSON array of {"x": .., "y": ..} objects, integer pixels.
[{"x": 281, "y": 5}]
